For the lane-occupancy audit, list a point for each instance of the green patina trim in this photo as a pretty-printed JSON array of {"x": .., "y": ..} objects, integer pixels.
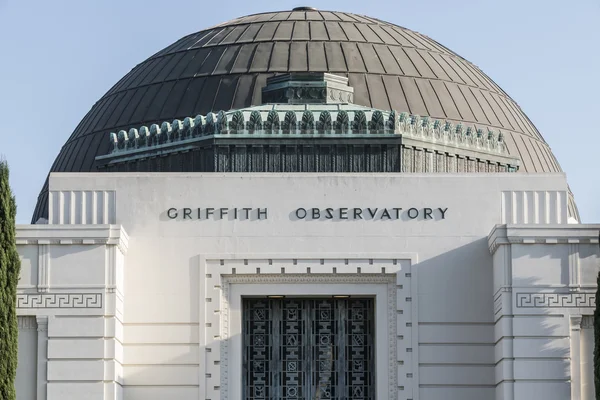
[{"x": 311, "y": 120}]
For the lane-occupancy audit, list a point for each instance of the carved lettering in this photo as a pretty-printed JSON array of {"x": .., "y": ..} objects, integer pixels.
[
  {"x": 172, "y": 213},
  {"x": 301, "y": 213},
  {"x": 372, "y": 212},
  {"x": 316, "y": 213},
  {"x": 329, "y": 213},
  {"x": 443, "y": 211},
  {"x": 262, "y": 213},
  {"x": 357, "y": 213},
  {"x": 413, "y": 213},
  {"x": 312, "y": 214}
]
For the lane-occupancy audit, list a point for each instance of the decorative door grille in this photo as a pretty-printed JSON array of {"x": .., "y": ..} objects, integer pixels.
[{"x": 308, "y": 349}]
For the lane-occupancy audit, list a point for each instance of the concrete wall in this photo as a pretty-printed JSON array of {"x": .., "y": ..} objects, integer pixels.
[
  {"x": 157, "y": 330},
  {"x": 544, "y": 281},
  {"x": 69, "y": 288}
]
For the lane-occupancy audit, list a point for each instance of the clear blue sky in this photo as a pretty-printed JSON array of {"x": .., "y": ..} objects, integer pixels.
[{"x": 58, "y": 57}]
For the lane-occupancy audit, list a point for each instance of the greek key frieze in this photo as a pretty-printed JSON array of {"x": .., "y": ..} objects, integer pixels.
[
  {"x": 59, "y": 300},
  {"x": 555, "y": 300}
]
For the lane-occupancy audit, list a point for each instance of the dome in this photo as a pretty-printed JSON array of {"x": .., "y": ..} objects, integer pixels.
[{"x": 226, "y": 66}]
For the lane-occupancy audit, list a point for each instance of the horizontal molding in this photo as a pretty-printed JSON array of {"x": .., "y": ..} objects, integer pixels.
[
  {"x": 546, "y": 234},
  {"x": 450, "y": 365},
  {"x": 508, "y": 359},
  {"x": 532, "y": 380},
  {"x": 517, "y": 316},
  {"x": 456, "y": 323},
  {"x": 159, "y": 344},
  {"x": 529, "y": 337},
  {"x": 446, "y": 344},
  {"x": 159, "y": 386},
  {"x": 541, "y": 288},
  {"x": 78, "y": 286},
  {"x": 313, "y": 256},
  {"x": 106, "y": 234},
  {"x": 448, "y": 386},
  {"x": 535, "y": 359},
  {"x": 160, "y": 365},
  {"x": 161, "y": 324}
]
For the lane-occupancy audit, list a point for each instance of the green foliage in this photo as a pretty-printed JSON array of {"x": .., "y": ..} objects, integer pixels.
[
  {"x": 10, "y": 266},
  {"x": 597, "y": 340}
]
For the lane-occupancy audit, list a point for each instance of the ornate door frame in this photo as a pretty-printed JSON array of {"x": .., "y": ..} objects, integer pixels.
[{"x": 225, "y": 279}]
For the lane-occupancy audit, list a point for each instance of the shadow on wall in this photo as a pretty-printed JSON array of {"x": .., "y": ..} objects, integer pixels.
[
  {"x": 544, "y": 306},
  {"x": 455, "y": 285},
  {"x": 161, "y": 359},
  {"x": 456, "y": 307}
]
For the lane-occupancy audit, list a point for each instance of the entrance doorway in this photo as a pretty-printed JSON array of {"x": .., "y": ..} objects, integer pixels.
[{"x": 308, "y": 348}]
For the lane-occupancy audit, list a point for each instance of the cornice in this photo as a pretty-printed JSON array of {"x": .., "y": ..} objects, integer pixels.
[
  {"x": 308, "y": 121},
  {"x": 543, "y": 234},
  {"x": 73, "y": 234}
]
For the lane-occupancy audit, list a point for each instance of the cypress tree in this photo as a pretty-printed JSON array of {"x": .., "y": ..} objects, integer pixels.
[{"x": 10, "y": 265}]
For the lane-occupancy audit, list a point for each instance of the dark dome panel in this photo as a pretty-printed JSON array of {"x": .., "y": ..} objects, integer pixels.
[{"x": 225, "y": 66}]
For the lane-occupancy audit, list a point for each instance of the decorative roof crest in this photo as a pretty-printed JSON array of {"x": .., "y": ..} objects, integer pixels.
[{"x": 280, "y": 119}]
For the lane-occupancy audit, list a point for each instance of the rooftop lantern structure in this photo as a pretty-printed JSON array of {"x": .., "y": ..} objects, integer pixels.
[{"x": 308, "y": 124}]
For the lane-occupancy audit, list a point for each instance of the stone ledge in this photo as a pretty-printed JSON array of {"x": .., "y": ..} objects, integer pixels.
[
  {"x": 543, "y": 234},
  {"x": 42, "y": 234}
]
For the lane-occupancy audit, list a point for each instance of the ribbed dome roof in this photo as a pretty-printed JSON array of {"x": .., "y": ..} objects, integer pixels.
[{"x": 226, "y": 66}]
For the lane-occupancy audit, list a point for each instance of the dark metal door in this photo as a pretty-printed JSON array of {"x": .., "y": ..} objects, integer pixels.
[{"x": 308, "y": 349}]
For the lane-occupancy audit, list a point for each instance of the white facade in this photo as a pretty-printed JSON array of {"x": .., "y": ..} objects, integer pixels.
[{"x": 487, "y": 293}]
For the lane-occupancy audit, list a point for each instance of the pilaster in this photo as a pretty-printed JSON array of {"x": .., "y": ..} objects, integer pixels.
[
  {"x": 575, "y": 323},
  {"x": 42, "y": 354},
  {"x": 588, "y": 391}
]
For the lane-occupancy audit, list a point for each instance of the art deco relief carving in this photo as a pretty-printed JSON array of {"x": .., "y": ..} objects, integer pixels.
[{"x": 220, "y": 277}]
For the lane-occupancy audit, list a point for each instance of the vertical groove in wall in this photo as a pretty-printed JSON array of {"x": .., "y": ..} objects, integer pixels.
[
  {"x": 82, "y": 207},
  {"x": 534, "y": 207}
]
